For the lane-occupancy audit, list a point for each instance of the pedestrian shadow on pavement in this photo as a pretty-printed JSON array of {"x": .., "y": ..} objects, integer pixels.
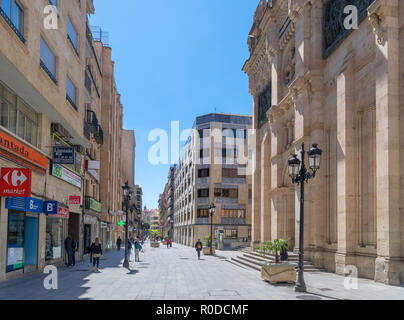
[
  {"x": 74, "y": 283},
  {"x": 132, "y": 271}
]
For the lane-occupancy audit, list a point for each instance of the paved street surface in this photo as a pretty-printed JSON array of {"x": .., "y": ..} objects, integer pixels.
[{"x": 176, "y": 274}]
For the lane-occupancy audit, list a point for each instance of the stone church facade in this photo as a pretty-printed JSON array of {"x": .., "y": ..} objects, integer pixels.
[{"x": 314, "y": 81}]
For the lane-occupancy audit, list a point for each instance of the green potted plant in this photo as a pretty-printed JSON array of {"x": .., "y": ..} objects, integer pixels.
[
  {"x": 154, "y": 234},
  {"x": 277, "y": 271},
  {"x": 206, "y": 246}
]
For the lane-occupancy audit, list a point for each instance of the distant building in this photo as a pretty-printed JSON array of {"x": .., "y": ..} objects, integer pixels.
[{"x": 209, "y": 172}]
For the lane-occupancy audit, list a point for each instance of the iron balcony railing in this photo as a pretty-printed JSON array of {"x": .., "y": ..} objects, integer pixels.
[
  {"x": 92, "y": 78},
  {"x": 87, "y": 83},
  {"x": 86, "y": 130},
  {"x": 90, "y": 40},
  {"x": 92, "y": 204},
  {"x": 92, "y": 121},
  {"x": 99, "y": 136}
]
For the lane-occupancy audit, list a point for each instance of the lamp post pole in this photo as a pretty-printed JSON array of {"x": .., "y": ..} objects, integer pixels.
[
  {"x": 301, "y": 285},
  {"x": 126, "y": 262},
  {"x": 212, "y": 212},
  {"x": 127, "y": 196},
  {"x": 299, "y": 174}
]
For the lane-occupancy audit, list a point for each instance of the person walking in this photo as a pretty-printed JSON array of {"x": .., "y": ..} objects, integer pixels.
[
  {"x": 168, "y": 241},
  {"x": 69, "y": 249},
  {"x": 198, "y": 247},
  {"x": 138, "y": 247},
  {"x": 118, "y": 243},
  {"x": 96, "y": 251}
]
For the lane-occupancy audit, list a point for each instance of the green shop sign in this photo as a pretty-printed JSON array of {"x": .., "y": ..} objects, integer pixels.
[{"x": 95, "y": 205}]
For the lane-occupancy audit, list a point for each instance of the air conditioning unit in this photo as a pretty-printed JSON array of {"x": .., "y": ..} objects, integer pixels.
[{"x": 60, "y": 131}]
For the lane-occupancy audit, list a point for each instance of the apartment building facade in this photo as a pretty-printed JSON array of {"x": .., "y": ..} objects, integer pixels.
[
  {"x": 209, "y": 171},
  {"x": 111, "y": 174},
  {"x": 52, "y": 86},
  {"x": 42, "y": 102},
  {"x": 128, "y": 172},
  {"x": 153, "y": 217}
]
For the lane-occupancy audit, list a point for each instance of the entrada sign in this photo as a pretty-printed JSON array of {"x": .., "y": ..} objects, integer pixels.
[
  {"x": 15, "y": 182},
  {"x": 13, "y": 146}
]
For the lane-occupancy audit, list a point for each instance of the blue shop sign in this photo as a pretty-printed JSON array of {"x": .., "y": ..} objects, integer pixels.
[
  {"x": 25, "y": 204},
  {"x": 63, "y": 155},
  {"x": 50, "y": 207}
]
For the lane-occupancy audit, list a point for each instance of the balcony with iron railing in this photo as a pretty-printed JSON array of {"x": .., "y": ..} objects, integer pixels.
[
  {"x": 86, "y": 130},
  {"x": 87, "y": 84},
  {"x": 90, "y": 39},
  {"x": 92, "y": 204},
  {"x": 92, "y": 121},
  {"x": 99, "y": 136}
]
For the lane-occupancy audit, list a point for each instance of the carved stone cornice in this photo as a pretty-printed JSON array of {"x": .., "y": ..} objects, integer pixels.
[
  {"x": 287, "y": 35},
  {"x": 377, "y": 18},
  {"x": 295, "y": 8}
]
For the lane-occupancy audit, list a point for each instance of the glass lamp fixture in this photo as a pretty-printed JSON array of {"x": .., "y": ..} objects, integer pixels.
[
  {"x": 294, "y": 166},
  {"x": 314, "y": 157}
]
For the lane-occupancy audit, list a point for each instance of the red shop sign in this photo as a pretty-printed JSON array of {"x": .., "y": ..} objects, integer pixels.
[
  {"x": 63, "y": 213},
  {"x": 74, "y": 199},
  {"x": 15, "y": 182}
]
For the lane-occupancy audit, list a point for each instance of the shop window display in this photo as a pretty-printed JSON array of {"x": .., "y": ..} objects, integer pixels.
[
  {"x": 54, "y": 238},
  {"x": 15, "y": 240}
]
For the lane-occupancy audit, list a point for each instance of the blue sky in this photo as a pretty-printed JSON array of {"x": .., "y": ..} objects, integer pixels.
[{"x": 175, "y": 60}]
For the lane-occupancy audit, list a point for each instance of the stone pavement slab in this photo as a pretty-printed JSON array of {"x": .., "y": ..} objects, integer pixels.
[{"x": 176, "y": 274}]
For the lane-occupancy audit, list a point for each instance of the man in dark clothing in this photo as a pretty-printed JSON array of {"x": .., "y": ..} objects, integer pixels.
[
  {"x": 96, "y": 251},
  {"x": 118, "y": 243},
  {"x": 198, "y": 247},
  {"x": 69, "y": 249}
]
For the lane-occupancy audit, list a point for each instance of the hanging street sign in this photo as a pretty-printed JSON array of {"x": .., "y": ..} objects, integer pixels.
[{"x": 63, "y": 155}]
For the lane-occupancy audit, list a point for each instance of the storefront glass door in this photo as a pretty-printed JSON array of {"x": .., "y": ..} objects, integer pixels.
[
  {"x": 15, "y": 240},
  {"x": 31, "y": 242}
]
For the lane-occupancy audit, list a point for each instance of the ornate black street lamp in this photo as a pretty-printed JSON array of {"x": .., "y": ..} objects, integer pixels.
[
  {"x": 212, "y": 208},
  {"x": 127, "y": 196},
  {"x": 299, "y": 174}
]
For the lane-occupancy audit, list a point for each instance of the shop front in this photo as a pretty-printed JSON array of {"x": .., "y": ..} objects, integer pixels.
[
  {"x": 56, "y": 232},
  {"x": 91, "y": 231},
  {"x": 22, "y": 234},
  {"x": 103, "y": 235}
]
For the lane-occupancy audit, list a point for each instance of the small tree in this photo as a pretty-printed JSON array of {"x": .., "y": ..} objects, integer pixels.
[
  {"x": 154, "y": 234},
  {"x": 276, "y": 247},
  {"x": 206, "y": 242}
]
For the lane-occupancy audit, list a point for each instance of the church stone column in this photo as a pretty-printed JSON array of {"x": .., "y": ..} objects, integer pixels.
[
  {"x": 384, "y": 17},
  {"x": 265, "y": 186},
  {"x": 256, "y": 192},
  {"x": 345, "y": 167}
]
